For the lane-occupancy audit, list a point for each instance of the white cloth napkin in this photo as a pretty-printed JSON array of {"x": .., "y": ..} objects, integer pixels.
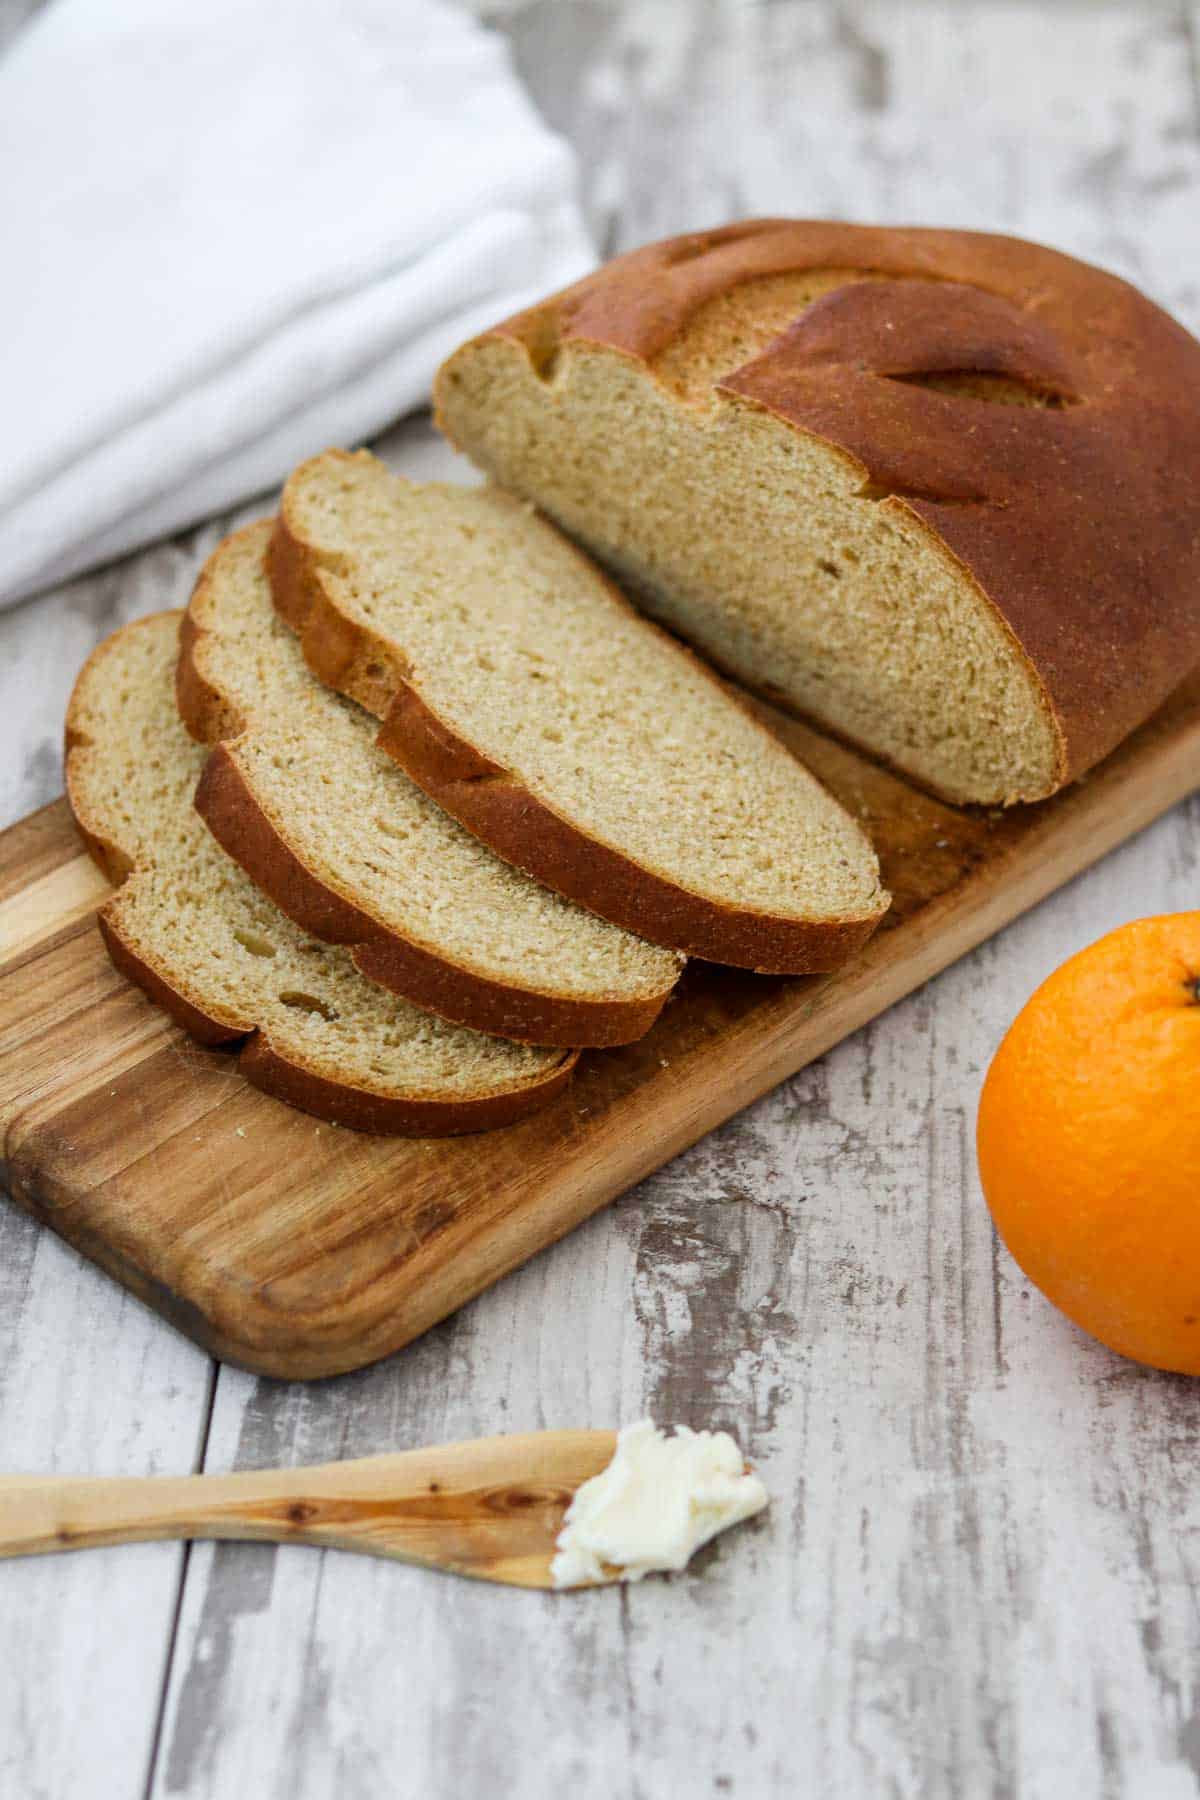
[{"x": 235, "y": 232}]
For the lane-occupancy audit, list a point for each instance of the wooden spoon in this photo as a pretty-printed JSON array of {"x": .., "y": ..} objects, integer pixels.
[{"x": 491, "y": 1508}]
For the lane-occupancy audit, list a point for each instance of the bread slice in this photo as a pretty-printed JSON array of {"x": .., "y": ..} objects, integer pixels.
[
  {"x": 522, "y": 692},
  {"x": 191, "y": 929},
  {"x": 937, "y": 490},
  {"x": 327, "y": 825}
]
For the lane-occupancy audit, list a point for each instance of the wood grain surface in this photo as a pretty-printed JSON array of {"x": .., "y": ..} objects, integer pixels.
[
  {"x": 979, "y": 1573},
  {"x": 491, "y": 1510},
  {"x": 296, "y": 1248}
]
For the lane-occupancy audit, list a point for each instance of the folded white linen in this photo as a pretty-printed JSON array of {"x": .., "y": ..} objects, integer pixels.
[{"x": 236, "y": 233}]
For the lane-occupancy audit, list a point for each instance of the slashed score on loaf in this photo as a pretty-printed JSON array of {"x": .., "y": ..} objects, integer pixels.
[
  {"x": 938, "y": 490},
  {"x": 349, "y": 847},
  {"x": 190, "y": 927},
  {"x": 524, "y": 694}
]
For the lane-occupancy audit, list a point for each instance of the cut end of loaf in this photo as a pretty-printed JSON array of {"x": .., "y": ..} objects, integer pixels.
[{"x": 764, "y": 546}]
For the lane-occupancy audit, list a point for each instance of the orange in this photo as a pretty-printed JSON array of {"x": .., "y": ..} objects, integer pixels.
[{"x": 1089, "y": 1140}]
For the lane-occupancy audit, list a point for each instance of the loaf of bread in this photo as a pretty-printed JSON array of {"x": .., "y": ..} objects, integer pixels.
[
  {"x": 190, "y": 928},
  {"x": 577, "y": 739},
  {"x": 938, "y": 490},
  {"x": 339, "y": 837}
]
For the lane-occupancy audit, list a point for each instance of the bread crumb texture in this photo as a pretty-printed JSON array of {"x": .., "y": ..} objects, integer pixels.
[
  {"x": 519, "y": 646},
  {"x": 369, "y": 833},
  {"x": 765, "y": 548},
  {"x": 198, "y": 922}
]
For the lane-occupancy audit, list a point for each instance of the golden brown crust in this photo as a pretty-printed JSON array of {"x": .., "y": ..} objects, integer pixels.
[
  {"x": 340, "y": 1102},
  {"x": 206, "y": 714},
  {"x": 500, "y": 810},
  {"x": 336, "y": 650},
  {"x": 229, "y": 807},
  {"x": 233, "y": 815},
  {"x": 200, "y": 1025},
  {"x": 522, "y": 828},
  {"x": 260, "y": 1063},
  {"x": 337, "y": 1101},
  {"x": 1078, "y": 520}
]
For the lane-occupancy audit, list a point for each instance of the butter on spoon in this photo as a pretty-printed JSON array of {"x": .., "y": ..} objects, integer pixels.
[
  {"x": 657, "y": 1501},
  {"x": 493, "y": 1509}
]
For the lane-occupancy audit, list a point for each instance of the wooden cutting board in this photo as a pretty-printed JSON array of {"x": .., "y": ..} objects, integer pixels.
[{"x": 300, "y": 1249}]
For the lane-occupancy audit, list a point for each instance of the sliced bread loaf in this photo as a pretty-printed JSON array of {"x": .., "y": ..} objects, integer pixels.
[
  {"x": 190, "y": 928},
  {"x": 937, "y": 489},
  {"x": 521, "y": 691},
  {"x": 339, "y": 837}
]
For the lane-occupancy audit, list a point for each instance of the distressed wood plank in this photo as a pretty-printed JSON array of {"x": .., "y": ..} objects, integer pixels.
[{"x": 89, "y": 1383}]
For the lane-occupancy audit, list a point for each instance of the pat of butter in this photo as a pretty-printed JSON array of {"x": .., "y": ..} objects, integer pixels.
[{"x": 658, "y": 1500}]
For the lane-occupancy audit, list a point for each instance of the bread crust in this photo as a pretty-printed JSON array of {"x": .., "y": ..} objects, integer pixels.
[
  {"x": 226, "y": 801},
  {"x": 493, "y": 804},
  {"x": 337, "y": 1101},
  {"x": 519, "y": 826},
  {"x": 228, "y": 806},
  {"x": 1078, "y": 522},
  {"x": 341, "y": 1103}
]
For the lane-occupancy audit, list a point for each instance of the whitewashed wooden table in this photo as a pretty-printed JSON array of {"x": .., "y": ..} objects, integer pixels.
[{"x": 980, "y": 1574}]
